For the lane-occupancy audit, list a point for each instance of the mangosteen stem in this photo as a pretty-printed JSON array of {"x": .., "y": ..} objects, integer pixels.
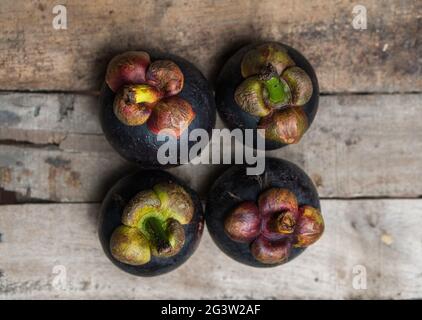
[
  {"x": 141, "y": 93},
  {"x": 277, "y": 89},
  {"x": 158, "y": 234},
  {"x": 286, "y": 222}
]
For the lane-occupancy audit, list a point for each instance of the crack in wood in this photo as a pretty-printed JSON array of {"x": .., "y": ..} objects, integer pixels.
[{"x": 29, "y": 144}]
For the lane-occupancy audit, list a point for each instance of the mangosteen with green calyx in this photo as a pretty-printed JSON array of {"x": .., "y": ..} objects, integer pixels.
[
  {"x": 150, "y": 223},
  {"x": 268, "y": 86},
  {"x": 264, "y": 220},
  {"x": 146, "y": 94}
]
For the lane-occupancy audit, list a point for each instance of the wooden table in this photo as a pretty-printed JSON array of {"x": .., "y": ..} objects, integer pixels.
[{"x": 364, "y": 150}]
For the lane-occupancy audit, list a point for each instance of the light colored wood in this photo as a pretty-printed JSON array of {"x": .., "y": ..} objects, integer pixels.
[
  {"x": 54, "y": 175},
  {"x": 52, "y": 147},
  {"x": 383, "y": 236},
  {"x": 35, "y": 56},
  {"x": 358, "y": 146},
  {"x": 48, "y": 118}
]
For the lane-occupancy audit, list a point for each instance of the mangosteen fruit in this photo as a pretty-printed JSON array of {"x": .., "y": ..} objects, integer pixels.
[
  {"x": 151, "y": 99},
  {"x": 268, "y": 86},
  {"x": 264, "y": 220},
  {"x": 150, "y": 223}
]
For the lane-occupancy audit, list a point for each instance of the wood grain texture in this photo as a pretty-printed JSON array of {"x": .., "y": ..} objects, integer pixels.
[
  {"x": 359, "y": 146},
  {"x": 52, "y": 147},
  {"x": 384, "y": 57},
  {"x": 383, "y": 236}
]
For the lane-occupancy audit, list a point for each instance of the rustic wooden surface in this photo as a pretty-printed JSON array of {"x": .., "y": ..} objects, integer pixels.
[
  {"x": 382, "y": 58},
  {"x": 364, "y": 150},
  {"x": 354, "y": 148},
  {"x": 365, "y": 233}
]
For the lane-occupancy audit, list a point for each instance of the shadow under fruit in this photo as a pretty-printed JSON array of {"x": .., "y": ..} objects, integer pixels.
[
  {"x": 150, "y": 223},
  {"x": 264, "y": 220},
  {"x": 268, "y": 86},
  {"x": 146, "y": 94}
]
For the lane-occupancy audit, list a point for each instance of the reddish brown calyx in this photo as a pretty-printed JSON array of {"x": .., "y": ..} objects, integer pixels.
[
  {"x": 271, "y": 252},
  {"x": 127, "y": 68},
  {"x": 133, "y": 103},
  {"x": 274, "y": 200},
  {"x": 147, "y": 92},
  {"x": 166, "y": 76},
  {"x": 244, "y": 222},
  {"x": 286, "y": 126},
  {"x": 310, "y": 226},
  {"x": 275, "y": 226},
  {"x": 171, "y": 116},
  {"x": 279, "y": 209},
  {"x": 273, "y": 85},
  {"x": 152, "y": 225}
]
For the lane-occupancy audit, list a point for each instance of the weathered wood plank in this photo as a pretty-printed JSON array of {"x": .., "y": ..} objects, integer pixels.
[
  {"x": 41, "y": 242},
  {"x": 47, "y": 118},
  {"x": 359, "y": 145},
  {"x": 384, "y": 57},
  {"x": 53, "y": 175}
]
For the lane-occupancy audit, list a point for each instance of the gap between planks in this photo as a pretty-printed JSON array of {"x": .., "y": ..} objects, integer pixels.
[
  {"x": 360, "y": 146},
  {"x": 345, "y": 59}
]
